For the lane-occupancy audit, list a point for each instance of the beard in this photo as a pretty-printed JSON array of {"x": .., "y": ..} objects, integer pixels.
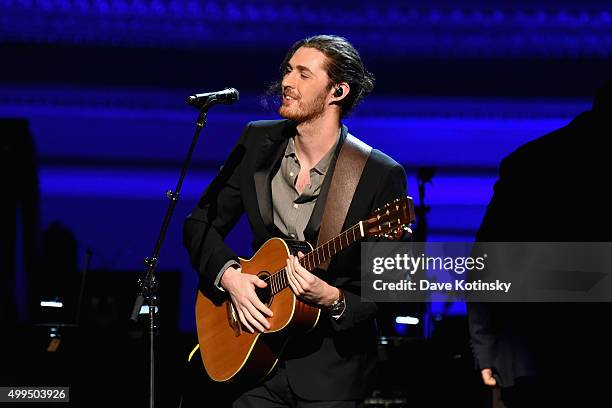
[{"x": 299, "y": 111}]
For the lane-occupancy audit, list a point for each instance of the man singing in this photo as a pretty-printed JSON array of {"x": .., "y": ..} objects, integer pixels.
[{"x": 279, "y": 174}]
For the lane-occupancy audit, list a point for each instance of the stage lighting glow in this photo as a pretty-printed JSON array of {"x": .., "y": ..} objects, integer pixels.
[
  {"x": 51, "y": 303},
  {"x": 406, "y": 320},
  {"x": 144, "y": 309}
]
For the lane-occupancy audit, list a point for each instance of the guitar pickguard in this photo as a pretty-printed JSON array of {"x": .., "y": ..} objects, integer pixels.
[{"x": 296, "y": 246}]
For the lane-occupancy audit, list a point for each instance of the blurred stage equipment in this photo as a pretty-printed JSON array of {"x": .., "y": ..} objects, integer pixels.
[
  {"x": 62, "y": 309},
  {"x": 424, "y": 176}
]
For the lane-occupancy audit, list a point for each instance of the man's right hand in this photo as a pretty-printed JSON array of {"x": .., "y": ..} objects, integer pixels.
[
  {"x": 241, "y": 287},
  {"x": 487, "y": 377}
]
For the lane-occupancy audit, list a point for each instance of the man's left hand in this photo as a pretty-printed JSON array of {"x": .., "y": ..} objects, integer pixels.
[{"x": 308, "y": 286}]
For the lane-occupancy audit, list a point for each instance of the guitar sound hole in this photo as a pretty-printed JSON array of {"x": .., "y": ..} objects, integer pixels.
[{"x": 264, "y": 294}]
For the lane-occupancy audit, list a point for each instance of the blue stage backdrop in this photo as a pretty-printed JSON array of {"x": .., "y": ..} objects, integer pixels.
[{"x": 102, "y": 84}]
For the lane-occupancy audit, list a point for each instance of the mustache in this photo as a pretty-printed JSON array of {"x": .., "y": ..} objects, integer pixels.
[{"x": 290, "y": 93}]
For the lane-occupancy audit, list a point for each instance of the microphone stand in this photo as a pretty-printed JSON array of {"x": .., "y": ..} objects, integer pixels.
[
  {"x": 147, "y": 284},
  {"x": 424, "y": 177}
]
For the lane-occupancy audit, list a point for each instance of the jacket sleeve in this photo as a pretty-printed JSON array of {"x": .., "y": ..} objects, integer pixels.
[
  {"x": 393, "y": 186},
  {"x": 483, "y": 337},
  {"x": 218, "y": 210},
  {"x": 498, "y": 224}
]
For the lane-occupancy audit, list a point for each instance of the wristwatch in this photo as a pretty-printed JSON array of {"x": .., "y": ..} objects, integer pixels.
[{"x": 337, "y": 308}]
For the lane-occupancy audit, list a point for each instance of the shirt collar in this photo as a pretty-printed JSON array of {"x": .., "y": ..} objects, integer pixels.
[{"x": 323, "y": 165}]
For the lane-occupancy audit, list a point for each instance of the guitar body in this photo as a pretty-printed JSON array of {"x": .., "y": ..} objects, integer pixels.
[{"x": 228, "y": 350}]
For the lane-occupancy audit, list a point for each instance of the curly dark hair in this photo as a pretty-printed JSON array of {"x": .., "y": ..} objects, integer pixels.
[{"x": 343, "y": 65}]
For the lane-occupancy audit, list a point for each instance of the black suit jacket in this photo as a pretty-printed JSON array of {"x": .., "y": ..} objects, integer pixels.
[
  {"x": 552, "y": 189},
  {"x": 334, "y": 361}
]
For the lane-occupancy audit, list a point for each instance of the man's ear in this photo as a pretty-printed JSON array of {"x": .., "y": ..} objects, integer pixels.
[{"x": 340, "y": 91}]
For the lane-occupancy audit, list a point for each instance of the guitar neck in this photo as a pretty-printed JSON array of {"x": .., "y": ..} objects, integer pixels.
[
  {"x": 324, "y": 252},
  {"x": 391, "y": 221},
  {"x": 327, "y": 250}
]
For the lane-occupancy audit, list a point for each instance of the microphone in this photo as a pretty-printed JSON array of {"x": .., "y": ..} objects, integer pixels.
[{"x": 226, "y": 97}]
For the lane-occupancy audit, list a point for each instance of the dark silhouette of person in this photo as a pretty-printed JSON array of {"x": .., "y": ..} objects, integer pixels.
[
  {"x": 552, "y": 189},
  {"x": 19, "y": 219},
  {"x": 19, "y": 210}
]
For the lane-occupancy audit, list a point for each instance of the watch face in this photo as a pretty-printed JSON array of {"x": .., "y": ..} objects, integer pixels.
[{"x": 337, "y": 307}]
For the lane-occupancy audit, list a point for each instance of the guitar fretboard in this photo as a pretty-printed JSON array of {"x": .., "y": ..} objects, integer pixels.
[{"x": 278, "y": 280}]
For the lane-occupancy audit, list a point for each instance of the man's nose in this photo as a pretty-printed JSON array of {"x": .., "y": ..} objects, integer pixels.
[{"x": 288, "y": 81}]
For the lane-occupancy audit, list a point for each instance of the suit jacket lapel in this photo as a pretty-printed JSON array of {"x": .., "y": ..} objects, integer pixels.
[
  {"x": 268, "y": 158},
  {"x": 314, "y": 223}
]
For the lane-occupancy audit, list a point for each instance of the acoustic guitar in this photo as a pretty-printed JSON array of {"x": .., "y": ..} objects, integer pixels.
[{"x": 229, "y": 351}]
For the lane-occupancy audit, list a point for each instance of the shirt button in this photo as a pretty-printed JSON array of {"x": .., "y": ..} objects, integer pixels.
[
  {"x": 295, "y": 206},
  {"x": 291, "y": 174},
  {"x": 292, "y": 235}
]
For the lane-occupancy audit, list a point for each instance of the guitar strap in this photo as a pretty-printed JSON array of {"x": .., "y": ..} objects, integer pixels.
[{"x": 347, "y": 172}]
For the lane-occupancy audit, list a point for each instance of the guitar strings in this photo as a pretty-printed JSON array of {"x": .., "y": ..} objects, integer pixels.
[
  {"x": 304, "y": 259},
  {"x": 283, "y": 283}
]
